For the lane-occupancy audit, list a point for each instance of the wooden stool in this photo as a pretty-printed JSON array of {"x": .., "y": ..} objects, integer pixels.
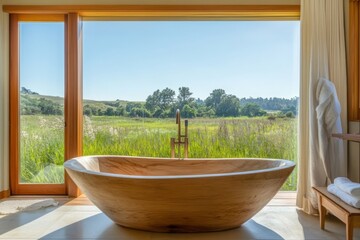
[{"x": 347, "y": 214}]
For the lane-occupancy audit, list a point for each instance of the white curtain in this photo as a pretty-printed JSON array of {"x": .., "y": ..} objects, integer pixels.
[{"x": 322, "y": 92}]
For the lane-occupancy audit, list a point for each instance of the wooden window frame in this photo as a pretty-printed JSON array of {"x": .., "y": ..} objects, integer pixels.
[
  {"x": 73, "y": 95},
  {"x": 199, "y": 12},
  {"x": 354, "y": 61},
  {"x": 14, "y": 131},
  {"x": 71, "y": 15},
  {"x": 72, "y": 102}
]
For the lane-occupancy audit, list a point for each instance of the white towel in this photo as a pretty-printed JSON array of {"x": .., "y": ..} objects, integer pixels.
[
  {"x": 353, "y": 201},
  {"x": 348, "y": 186}
]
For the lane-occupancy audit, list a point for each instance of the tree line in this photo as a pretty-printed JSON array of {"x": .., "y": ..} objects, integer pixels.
[{"x": 163, "y": 104}]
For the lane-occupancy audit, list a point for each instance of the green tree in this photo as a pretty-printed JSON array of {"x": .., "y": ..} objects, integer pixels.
[
  {"x": 158, "y": 112},
  {"x": 229, "y": 106},
  {"x": 139, "y": 112},
  {"x": 120, "y": 111},
  {"x": 109, "y": 111},
  {"x": 131, "y": 105},
  {"x": 215, "y": 98},
  {"x": 290, "y": 114},
  {"x": 169, "y": 113},
  {"x": 292, "y": 109},
  {"x": 153, "y": 101},
  {"x": 166, "y": 98},
  {"x": 29, "y": 106},
  {"x": 184, "y": 97},
  {"x": 88, "y": 110},
  {"x": 188, "y": 112},
  {"x": 49, "y": 107},
  {"x": 252, "y": 110},
  {"x": 100, "y": 112},
  {"x": 95, "y": 110},
  {"x": 209, "y": 113},
  {"x": 160, "y": 100}
]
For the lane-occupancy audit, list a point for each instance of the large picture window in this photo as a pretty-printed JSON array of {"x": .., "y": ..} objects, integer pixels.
[
  {"x": 235, "y": 81},
  {"x": 108, "y": 80}
]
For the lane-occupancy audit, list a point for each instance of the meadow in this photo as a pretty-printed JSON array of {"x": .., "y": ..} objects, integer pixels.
[{"x": 42, "y": 141}]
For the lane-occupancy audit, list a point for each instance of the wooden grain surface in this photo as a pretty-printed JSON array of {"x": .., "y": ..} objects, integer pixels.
[
  {"x": 163, "y": 201},
  {"x": 346, "y": 213},
  {"x": 168, "y": 11},
  {"x": 337, "y": 201},
  {"x": 347, "y": 136},
  {"x": 354, "y": 63},
  {"x": 73, "y": 95},
  {"x": 282, "y": 198}
]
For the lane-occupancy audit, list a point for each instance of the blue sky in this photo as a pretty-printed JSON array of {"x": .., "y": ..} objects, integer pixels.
[
  {"x": 42, "y": 57},
  {"x": 129, "y": 60}
]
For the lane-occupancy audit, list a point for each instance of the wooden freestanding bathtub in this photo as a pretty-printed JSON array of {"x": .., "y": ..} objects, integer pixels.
[{"x": 171, "y": 195}]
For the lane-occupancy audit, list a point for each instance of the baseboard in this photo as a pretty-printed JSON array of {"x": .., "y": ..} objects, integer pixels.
[{"x": 4, "y": 194}]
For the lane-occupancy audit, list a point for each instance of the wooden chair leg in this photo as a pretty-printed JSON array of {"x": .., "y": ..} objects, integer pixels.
[
  {"x": 322, "y": 212},
  {"x": 349, "y": 228}
]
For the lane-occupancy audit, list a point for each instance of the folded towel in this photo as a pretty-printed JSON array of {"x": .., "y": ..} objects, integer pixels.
[
  {"x": 353, "y": 201},
  {"x": 348, "y": 186}
]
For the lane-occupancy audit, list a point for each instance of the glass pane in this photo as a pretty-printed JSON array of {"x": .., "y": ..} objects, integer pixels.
[
  {"x": 41, "y": 102},
  {"x": 236, "y": 81}
]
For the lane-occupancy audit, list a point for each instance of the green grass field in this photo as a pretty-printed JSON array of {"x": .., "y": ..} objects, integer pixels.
[{"x": 42, "y": 141}]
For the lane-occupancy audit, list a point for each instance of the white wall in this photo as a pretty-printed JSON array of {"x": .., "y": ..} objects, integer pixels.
[{"x": 4, "y": 163}]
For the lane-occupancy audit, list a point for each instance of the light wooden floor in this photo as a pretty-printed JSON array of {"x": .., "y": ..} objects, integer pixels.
[{"x": 80, "y": 219}]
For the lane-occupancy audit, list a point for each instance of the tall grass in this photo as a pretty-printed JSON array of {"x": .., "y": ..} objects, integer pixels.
[
  {"x": 41, "y": 149},
  {"x": 208, "y": 138}
]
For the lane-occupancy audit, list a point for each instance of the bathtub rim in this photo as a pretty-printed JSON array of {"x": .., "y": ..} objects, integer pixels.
[{"x": 71, "y": 164}]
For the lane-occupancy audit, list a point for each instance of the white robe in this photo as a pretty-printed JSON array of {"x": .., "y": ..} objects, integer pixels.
[{"x": 331, "y": 150}]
